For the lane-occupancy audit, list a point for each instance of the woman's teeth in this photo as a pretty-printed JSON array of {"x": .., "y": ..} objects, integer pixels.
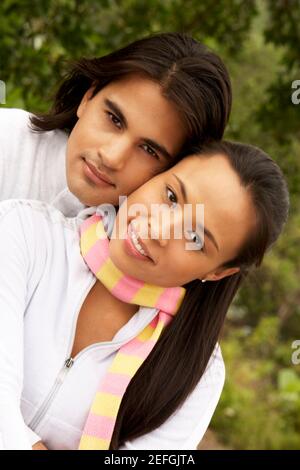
[{"x": 136, "y": 244}]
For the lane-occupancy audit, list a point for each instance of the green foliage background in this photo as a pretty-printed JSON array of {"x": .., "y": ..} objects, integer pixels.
[{"x": 259, "y": 41}]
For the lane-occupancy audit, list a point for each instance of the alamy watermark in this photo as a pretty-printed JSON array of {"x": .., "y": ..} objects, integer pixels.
[
  {"x": 2, "y": 92},
  {"x": 296, "y": 94},
  {"x": 296, "y": 353},
  {"x": 159, "y": 221}
]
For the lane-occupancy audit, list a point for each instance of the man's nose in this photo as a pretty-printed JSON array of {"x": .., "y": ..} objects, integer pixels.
[{"x": 115, "y": 155}]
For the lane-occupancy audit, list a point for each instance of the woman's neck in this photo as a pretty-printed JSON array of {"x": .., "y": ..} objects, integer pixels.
[{"x": 110, "y": 304}]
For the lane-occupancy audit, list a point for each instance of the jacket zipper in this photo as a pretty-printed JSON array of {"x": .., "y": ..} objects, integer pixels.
[
  {"x": 37, "y": 418},
  {"x": 47, "y": 402},
  {"x": 66, "y": 367}
]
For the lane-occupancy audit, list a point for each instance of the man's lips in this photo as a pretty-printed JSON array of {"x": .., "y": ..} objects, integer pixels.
[{"x": 98, "y": 174}]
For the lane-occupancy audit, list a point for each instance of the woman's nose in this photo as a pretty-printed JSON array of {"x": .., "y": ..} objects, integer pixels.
[{"x": 163, "y": 227}]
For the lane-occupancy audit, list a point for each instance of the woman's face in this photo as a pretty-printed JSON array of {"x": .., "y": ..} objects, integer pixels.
[
  {"x": 124, "y": 135},
  {"x": 229, "y": 216}
]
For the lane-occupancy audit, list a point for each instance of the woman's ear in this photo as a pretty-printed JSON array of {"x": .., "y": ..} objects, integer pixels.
[
  {"x": 86, "y": 97},
  {"x": 216, "y": 276}
]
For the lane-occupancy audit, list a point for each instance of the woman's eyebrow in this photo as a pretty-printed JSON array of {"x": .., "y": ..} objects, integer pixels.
[
  {"x": 201, "y": 227},
  {"x": 115, "y": 108}
]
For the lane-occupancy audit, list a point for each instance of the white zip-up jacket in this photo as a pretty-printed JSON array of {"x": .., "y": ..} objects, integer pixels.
[
  {"x": 33, "y": 164},
  {"x": 45, "y": 394}
]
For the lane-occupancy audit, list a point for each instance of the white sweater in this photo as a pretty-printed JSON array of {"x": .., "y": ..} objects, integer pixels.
[
  {"x": 43, "y": 283},
  {"x": 32, "y": 164}
]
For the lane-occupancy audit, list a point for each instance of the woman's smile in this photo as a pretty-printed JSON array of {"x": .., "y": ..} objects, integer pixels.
[{"x": 133, "y": 244}]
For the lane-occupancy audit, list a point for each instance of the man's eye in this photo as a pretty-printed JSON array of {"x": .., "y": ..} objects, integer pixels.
[
  {"x": 150, "y": 151},
  {"x": 171, "y": 196},
  {"x": 195, "y": 238},
  {"x": 114, "y": 119}
]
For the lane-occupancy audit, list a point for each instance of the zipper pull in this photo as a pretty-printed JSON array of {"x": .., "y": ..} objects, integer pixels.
[
  {"x": 67, "y": 365},
  {"x": 69, "y": 362}
]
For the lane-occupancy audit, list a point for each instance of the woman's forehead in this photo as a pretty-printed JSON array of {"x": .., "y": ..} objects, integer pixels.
[
  {"x": 206, "y": 169},
  {"x": 211, "y": 181}
]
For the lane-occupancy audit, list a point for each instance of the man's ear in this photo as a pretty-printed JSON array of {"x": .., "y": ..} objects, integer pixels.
[
  {"x": 216, "y": 276},
  {"x": 86, "y": 97}
]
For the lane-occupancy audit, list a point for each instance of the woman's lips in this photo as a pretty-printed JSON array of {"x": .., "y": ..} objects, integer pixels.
[
  {"x": 130, "y": 247},
  {"x": 95, "y": 175}
]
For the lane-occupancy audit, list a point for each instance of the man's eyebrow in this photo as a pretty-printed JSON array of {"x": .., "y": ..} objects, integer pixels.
[
  {"x": 115, "y": 108},
  {"x": 184, "y": 195},
  {"x": 158, "y": 147}
]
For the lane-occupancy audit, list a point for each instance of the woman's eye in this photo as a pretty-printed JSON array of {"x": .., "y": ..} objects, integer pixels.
[
  {"x": 114, "y": 119},
  {"x": 195, "y": 238},
  {"x": 172, "y": 197},
  {"x": 150, "y": 151}
]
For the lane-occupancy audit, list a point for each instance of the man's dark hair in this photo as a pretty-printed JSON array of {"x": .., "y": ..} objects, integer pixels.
[{"x": 191, "y": 76}]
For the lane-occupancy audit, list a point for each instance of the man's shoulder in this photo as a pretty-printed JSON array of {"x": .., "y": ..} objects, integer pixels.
[
  {"x": 18, "y": 120},
  {"x": 15, "y": 128},
  {"x": 14, "y": 116}
]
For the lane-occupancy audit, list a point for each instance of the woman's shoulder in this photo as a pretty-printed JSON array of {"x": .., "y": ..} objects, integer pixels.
[
  {"x": 185, "y": 428},
  {"x": 216, "y": 365},
  {"x": 214, "y": 374},
  {"x": 40, "y": 215},
  {"x": 36, "y": 216}
]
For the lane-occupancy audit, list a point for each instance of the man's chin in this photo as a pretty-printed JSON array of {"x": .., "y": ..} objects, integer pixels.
[
  {"x": 88, "y": 201},
  {"x": 84, "y": 194}
]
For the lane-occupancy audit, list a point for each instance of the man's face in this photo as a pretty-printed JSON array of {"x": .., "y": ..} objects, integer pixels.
[{"x": 125, "y": 134}]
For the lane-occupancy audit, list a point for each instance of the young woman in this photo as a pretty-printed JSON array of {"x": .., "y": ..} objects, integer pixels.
[
  {"x": 116, "y": 121},
  {"x": 100, "y": 347}
]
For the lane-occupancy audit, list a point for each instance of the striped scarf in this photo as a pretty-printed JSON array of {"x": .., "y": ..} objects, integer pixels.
[{"x": 102, "y": 416}]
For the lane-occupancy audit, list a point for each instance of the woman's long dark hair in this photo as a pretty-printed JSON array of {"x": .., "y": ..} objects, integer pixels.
[
  {"x": 180, "y": 357},
  {"x": 191, "y": 76}
]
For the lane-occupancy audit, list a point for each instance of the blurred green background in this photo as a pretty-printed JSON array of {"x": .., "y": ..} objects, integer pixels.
[{"x": 259, "y": 41}]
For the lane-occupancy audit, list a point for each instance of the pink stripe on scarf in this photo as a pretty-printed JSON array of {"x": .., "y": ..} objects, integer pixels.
[
  {"x": 162, "y": 317},
  {"x": 168, "y": 299},
  {"x": 97, "y": 255},
  {"x": 88, "y": 222},
  {"x": 138, "y": 348},
  {"x": 114, "y": 383},
  {"x": 127, "y": 291},
  {"x": 100, "y": 426}
]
